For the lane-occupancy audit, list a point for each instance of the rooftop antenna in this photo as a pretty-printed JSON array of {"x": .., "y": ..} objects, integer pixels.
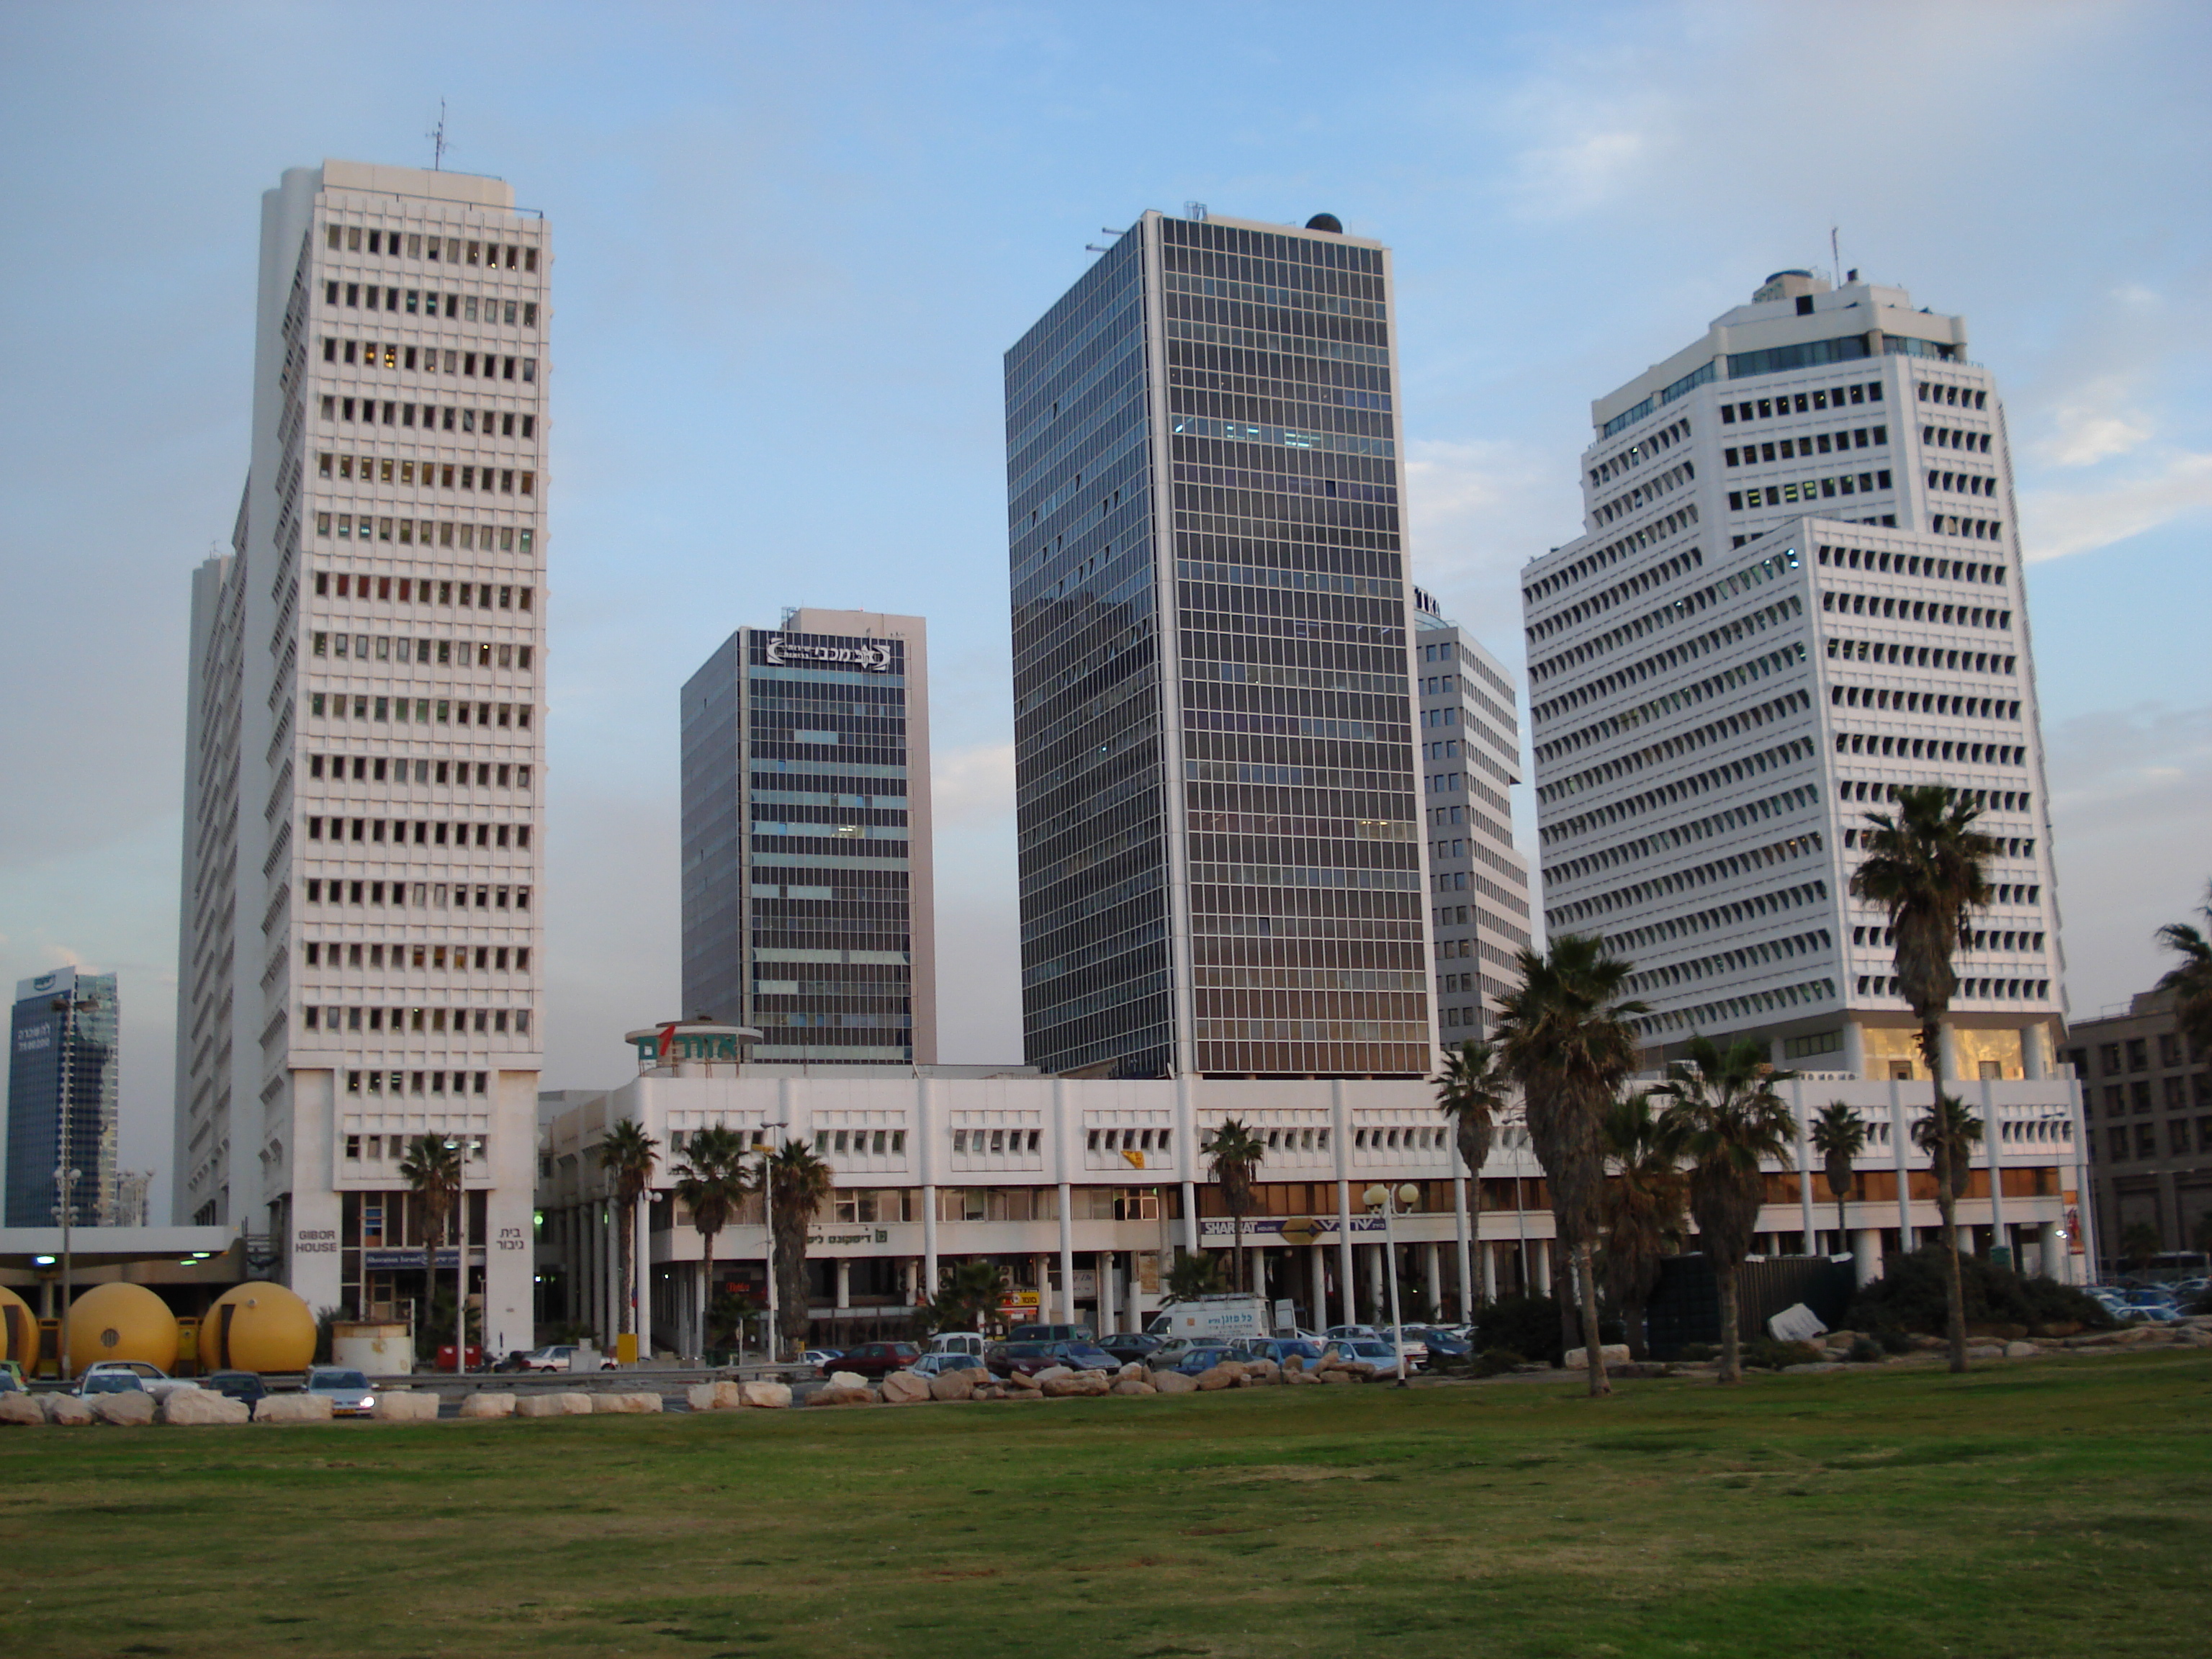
[
  {"x": 1835, "y": 257},
  {"x": 437, "y": 138}
]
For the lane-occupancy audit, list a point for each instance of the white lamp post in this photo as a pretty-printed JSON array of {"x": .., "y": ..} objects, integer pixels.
[
  {"x": 460, "y": 1150},
  {"x": 1381, "y": 1197}
]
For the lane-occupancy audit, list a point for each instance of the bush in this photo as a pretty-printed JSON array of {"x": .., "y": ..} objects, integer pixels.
[
  {"x": 1495, "y": 1362},
  {"x": 1521, "y": 1325},
  {"x": 1768, "y": 1353},
  {"x": 1865, "y": 1350},
  {"x": 1909, "y": 1296},
  {"x": 1696, "y": 1353}
]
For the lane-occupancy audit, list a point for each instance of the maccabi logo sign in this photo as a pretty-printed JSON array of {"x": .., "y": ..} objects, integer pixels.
[{"x": 875, "y": 656}]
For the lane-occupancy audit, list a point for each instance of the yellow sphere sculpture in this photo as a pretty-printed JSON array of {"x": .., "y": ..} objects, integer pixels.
[
  {"x": 257, "y": 1327},
  {"x": 121, "y": 1321},
  {"x": 19, "y": 1329}
]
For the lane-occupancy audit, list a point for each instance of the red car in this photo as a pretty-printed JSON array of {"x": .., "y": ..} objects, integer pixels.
[
  {"x": 1022, "y": 1358},
  {"x": 875, "y": 1360}
]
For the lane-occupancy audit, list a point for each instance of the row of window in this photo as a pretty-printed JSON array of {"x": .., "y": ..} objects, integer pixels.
[
  {"x": 1970, "y": 990},
  {"x": 1995, "y": 800},
  {"x": 430, "y": 359},
  {"x": 1963, "y": 397},
  {"x": 418, "y": 895},
  {"x": 1780, "y": 804},
  {"x": 2145, "y": 1147},
  {"x": 1966, "y": 484},
  {"x": 1720, "y": 638},
  {"x": 1946, "y": 437},
  {"x": 372, "y": 769},
  {"x": 1729, "y": 726},
  {"x": 449, "y": 475},
  {"x": 426, "y": 832},
  {"x": 1819, "y": 443},
  {"x": 406, "y": 590},
  {"x": 337, "y": 705},
  {"x": 1951, "y": 616},
  {"x": 1916, "y": 656},
  {"x": 423, "y": 302},
  {"x": 1730, "y": 962},
  {"x": 490, "y": 959},
  {"x": 515, "y": 256},
  {"x": 1641, "y": 450},
  {"x": 1809, "y": 489},
  {"x": 1981, "y": 530},
  {"x": 1860, "y": 742},
  {"x": 374, "y": 1083},
  {"x": 489, "y": 1020},
  {"x": 431, "y": 417},
  {"x": 1750, "y": 862},
  {"x": 1886, "y": 938},
  {"x": 487, "y": 653},
  {"x": 1687, "y": 696},
  {"x": 2013, "y": 846},
  {"x": 2138, "y": 1055},
  {"x": 2176, "y": 1090},
  {"x": 375, "y": 1151},
  {"x": 1681, "y": 789},
  {"x": 1801, "y": 403},
  {"x": 1612, "y": 553},
  {"x": 1706, "y": 1015},
  {"x": 1690, "y": 559},
  {"x": 1912, "y": 564},
  {"x": 1645, "y": 493},
  {"x": 1724, "y": 915}
]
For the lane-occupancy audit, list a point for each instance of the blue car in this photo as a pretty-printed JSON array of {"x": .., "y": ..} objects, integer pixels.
[
  {"x": 1280, "y": 1348},
  {"x": 1196, "y": 1360}
]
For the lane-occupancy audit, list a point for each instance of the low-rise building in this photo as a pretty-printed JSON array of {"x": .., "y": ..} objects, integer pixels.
[{"x": 2146, "y": 1100}]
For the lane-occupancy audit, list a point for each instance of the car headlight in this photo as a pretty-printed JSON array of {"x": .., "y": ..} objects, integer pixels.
[{"x": 366, "y": 1400}]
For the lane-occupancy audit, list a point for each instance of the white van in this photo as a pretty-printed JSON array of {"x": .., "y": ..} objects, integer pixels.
[{"x": 971, "y": 1343}]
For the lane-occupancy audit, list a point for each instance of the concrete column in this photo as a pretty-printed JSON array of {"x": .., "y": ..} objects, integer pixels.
[
  {"x": 1136, "y": 1294},
  {"x": 1854, "y": 1047},
  {"x": 1812, "y": 1246},
  {"x": 1994, "y": 1155},
  {"x": 1318, "y": 1285},
  {"x": 2035, "y": 1050},
  {"x": 1432, "y": 1280},
  {"x": 643, "y": 1255},
  {"x": 1346, "y": 1298},
  {"x": 1900, "y": 1137},
  {"x": 1489, "y": 1253},
  {"x": 1186, "y": 1142},
  {"x": 1462, "y": 1239},
  {"x": 2051, "y": 1251},
  {"x": 2079, "y": 1269},
  {"x": 1378, "y": 1289},
  {"x": 1067, "y": 1254},
  {"x": 1965, "y": 1241},
  {"x": 929, "y": 1239},
  {"x": 1866, "y": 1254},
  {"x": 1538, "y": 1267},
  {"x": 1040, "y": 1265}
]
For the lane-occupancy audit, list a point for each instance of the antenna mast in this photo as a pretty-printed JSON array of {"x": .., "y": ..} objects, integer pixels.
[
  {"x": 1835, "y": 257},
  {"x": 437, "y": 138}
]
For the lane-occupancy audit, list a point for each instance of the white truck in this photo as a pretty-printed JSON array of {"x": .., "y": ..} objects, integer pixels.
[{"x": 1223, "y": 1318}]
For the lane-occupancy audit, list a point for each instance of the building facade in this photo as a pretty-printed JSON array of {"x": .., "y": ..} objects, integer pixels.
[
  {"x": 1082, "y": 1190},
  {"x": 64, "y": 1079},
  {"x": 1470, "y": 742},
  {"x": 359, "y": 961},
  {"x": 1218, "y": 801},
  {"x": 1798, "y": 589},
  {"x": 2146, "y": 1095},
  {"x": 809, "y": 900}
]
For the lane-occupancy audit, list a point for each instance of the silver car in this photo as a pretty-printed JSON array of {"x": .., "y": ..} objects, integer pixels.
[{"x": 347, "y": 1391}]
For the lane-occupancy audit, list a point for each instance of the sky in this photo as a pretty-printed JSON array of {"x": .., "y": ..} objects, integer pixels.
[{"x": 793, "y": 242}]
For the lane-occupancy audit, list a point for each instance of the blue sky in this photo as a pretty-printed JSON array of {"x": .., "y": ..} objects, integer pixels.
[{"x": 793, "y": 240}]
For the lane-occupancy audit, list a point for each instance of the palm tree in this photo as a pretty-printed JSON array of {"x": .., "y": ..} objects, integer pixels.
[
  {"x": 2190, "y": 980},
  {"x": 627, "y": 1154},
  {"x": 1724, "y": 1116},
  {"x": 1567, "y": 1037},
  {"x": 1193, "y": 1275},
  {"x": 967, "y": 1296},
  {"x": 1234, "y": 1153},
  {"x": 1948, "y": 1134},
  {"x": 1929, "y": 867},
  {"x": 1643, "y": 1212},
  {"x": 1471, "y": 1092},
  {"x": 432, "y": 1170},
  {"x": 1840, "y": 1135},
  {"x": 2140, "y": 1241},
  {"x": 800, "y": 1183},
  {"x": 709, "y": 1181}
]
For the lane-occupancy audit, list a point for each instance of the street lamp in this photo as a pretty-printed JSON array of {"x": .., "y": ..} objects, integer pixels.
[
  {"x": 65, "y": 1180},
  {"x": 1381, "y": 1197},
  {"x": 459, "y": 1149},
  {"x": 764, "y": 1144}
]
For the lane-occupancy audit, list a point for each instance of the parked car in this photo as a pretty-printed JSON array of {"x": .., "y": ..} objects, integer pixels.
[
  {"x": 151, "y": 1377},
  {"x": 1417, "y": 1351},
  {"x": 348, "y": 1390},
  {"x": 818, "y": 1358},
  {"x": 98, "y": 1382},
  {"x": 1438, "y": 1343},
  {"x": 1131, "y": 1347},
  {"x": 877, "y": 1360},
  {"x": 1279, "y": 1348},
  {"x": 1052, "y": 1333},
  {"x": 967, "y": 1342},
  {"x": 556, "y": 1357},
  {"x": 1362, "y": 1351},
  {"x": 11, "y": 1380},
  {"x": 1021, "y": 1358},
  {"x": 13, "y": 1371},
  {"x": 938, "y": 1364},
  {"x": 1170, "y": 1355},
  {"x": 1199, "y": 1357},
  {"x": 238, "y": 1385},
  {"x": 1085, "y": 1357}
]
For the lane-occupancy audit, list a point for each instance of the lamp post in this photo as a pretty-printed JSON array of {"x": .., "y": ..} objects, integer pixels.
[
  {"x": 65, "y": 1175},
  {"x": 459, "y": 1147},
  {"x": 1381, "y": 1197},
  {"x": 766, "y": 1148}
]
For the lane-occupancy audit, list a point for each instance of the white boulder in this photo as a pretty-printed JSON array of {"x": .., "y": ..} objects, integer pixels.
[
  {"x": 405, "y": 1406},
  {"x": 194, "y": 1407},
  {"x": 904, "y": 1388},
  {"x": 488, "y": 1405},
  {"x": 763, "y": 1396},
  {"x": 292, "y": 1408},
  {"x": 131, "y": 1410}
]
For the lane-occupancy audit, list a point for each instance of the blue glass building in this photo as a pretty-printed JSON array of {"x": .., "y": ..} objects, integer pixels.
[
  {"x": 62, "y": 1082},
  {"x": 1217, "y": 793}
]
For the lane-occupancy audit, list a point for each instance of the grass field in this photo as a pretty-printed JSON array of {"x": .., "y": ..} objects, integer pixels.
[{"x": 2055, "y": 1508}]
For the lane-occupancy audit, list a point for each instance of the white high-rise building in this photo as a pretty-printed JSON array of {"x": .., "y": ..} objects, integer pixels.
[
  {"x": 1470, "y": 743},
  {"x": 360, "y": 959},
  {"x": 1798, "y": 590}
]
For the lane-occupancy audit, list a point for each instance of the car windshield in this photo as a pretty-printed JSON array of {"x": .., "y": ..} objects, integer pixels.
[
  {"x": 111, "y": 1382},
  {"x": 338, "y": 1381}
]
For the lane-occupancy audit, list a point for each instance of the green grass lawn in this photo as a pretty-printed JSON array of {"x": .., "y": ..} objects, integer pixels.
[{"x": 2061, "y": 1507}]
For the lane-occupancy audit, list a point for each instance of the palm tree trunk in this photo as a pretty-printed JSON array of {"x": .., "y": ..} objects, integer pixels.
[
  {"x": 1238, "y": 1220},
  {"x": 706, "y": 1291},
  {"x": 1593, "y": 1337},
  {"x": 626, "y": 1251},
  {"x": 1731, "y": 1342},
  {"x": 1563, "y": 1290},
  {"x": 1843, "y": 1228},
  {"x": 1955, "y": 1289}
]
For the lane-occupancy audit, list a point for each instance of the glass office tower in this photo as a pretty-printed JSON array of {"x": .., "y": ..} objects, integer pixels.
[
  {"x": 807, "y": 893},
  {"x": 1221, "y": 860},
  {"x": 62, "y": 1097}
]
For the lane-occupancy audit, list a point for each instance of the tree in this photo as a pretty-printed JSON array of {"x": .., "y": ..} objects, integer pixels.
[
  {"x": 2139, "y": 1242},
  {"x": 431, "y": 1170},
  {"x": 1567, "y": 1037},
  {"x": 1471, "y": 1092},
  {"x": 1840, "y": 1135},
  {"x": 627, "y": 1154},
  {"x": 798, "y": 1185},
  {"x": 1194, "y": 1274},
  {"x": 1723, "y": 1115},
  {"x": 1233, "y": 1154},
  {"x": 2190, "y": 980},
  {"x": 967, "y": 1298},
  {"x": 709, "y": 1182},
  {"x": 1929, "y": 867},
  {"x": 1946, "y": 1132},
  {"x": 1643, "y": 1212}
]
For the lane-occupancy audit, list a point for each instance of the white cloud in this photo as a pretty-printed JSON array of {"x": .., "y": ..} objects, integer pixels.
[
  {"x": 2056, "y": 523},
  {"x": 967, "y": 784},
  {"x": 2094, "y": 425},
  {"x": 1482, "y": 509}
]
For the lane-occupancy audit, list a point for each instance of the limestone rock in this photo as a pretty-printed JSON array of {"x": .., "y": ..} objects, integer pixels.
[
  {"x": 956, "y": 1385},
  {"x": 1296, "y": 1362},
  {"x": 1261, "y": 1372},
  {"x": 553, "y": 1405},
  {"x": 1815, "y": 1366},
  {"x": 904, "y": 1388},
  {"x": 1050, "y": 1372},
  {"x": 292, "y": 1408},
  {"x": 847, "y": 1380},
  {"x": 133, "y": 1410},
  {"x": 764, "y": 1396},
  {"x": 405, "y": 1406},
  {"x": 2189, "y": 1336},
  {"x": 703, "y": 1397},
  {"x": 2020, "y": 1351},
  {"x": 1075, "y": 1384},
  {"x": 1300, "y": 1376},
  {"x": 1986, "y": 1350},
  {"x": 1335, "y": 1374},
  {"x": 1132, "y": 1372},
  {"x": 839, "y": 1393},
  {"x": 1173, "y": 1383},
  {"x": 1218, "y": 1376},
  {"x": 66, "y": 1411},
  {"x": 194, "y": 1406},
  {"x": 631, "y": 1403},
  {"x": 19, "y": 1409},
  {"x": 1019, "y": 1382},
  {"x": 1131, "y": 1385},
  {"x": 1577, "y": 1359},
  {"x": 488, "y": 1405}
]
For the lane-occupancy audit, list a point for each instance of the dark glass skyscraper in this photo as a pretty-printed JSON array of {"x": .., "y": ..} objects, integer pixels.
[
  {"x": 1221, "y": 859},
  {"x": 62, "y": 1079},
  {"x": 807, "y": 905}
]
